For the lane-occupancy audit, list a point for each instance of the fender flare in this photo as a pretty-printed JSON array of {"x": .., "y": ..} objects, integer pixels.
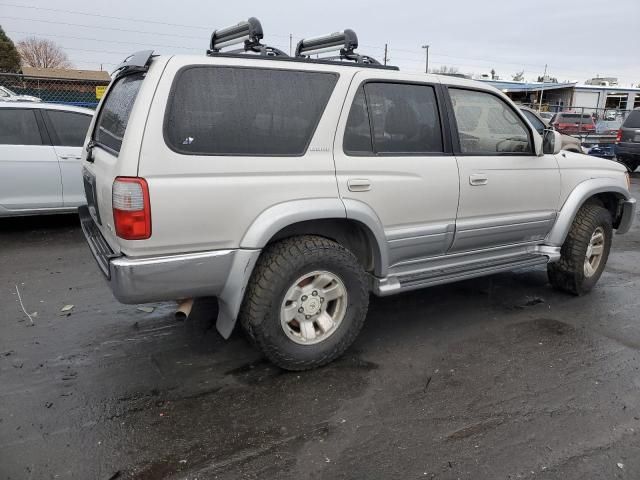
[
  {"x": 575, "y": 200},
  {"x": 270, "y": 222}
]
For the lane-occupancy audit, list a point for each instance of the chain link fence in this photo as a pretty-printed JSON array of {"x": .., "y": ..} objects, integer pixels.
[{"x": 68, "y": 91}]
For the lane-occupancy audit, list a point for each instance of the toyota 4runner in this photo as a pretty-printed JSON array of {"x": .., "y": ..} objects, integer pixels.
[{"x": 290, "y": 188}]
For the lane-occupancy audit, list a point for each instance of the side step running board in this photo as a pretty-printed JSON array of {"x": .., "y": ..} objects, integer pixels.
[{"x": 427, "y": 278}]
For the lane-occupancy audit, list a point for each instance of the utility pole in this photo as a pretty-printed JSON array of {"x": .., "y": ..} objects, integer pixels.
[
  {"x": 426, "y": 62},
  {"x": 385, "y": 53},
  {"x": 291, "y": 44},
  {"x": 542, "y": 88}
]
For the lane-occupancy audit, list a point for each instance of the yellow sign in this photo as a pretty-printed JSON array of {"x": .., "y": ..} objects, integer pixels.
[{"x": 100, "y": 91}]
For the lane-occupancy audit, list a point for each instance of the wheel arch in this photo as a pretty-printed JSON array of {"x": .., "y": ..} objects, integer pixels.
[{"x": 602, "y": 190}]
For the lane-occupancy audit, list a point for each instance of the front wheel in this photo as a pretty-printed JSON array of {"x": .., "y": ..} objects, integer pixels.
[
  {"x": 306, "y": 302},
  {"x": 585, "y": 251}
]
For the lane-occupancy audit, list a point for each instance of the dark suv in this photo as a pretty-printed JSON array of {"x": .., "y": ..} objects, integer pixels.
[{"x": 628, "y": 141}]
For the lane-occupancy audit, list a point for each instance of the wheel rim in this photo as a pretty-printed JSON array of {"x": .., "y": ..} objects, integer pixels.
[
  {"x": 313, "y": 307},
  {"x": 594, "y": 253}
]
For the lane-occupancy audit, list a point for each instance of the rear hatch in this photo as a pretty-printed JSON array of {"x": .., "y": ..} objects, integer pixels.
[{"x": 114, "y": 146}]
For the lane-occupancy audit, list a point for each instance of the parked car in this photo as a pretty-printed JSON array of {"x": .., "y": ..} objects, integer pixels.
[
  {"x": 628, "y": 141},
  {"x": 40, "y": 149},
  {"x": 7, "y": 95},
  {"x": 573, "y": 123},
  {"x": 569, "y": 143},
  {"x": 291, "y": 188}
]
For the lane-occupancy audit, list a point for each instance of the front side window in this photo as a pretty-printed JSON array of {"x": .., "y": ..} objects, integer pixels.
[
  {"x": 114, "y": 113},
  {"x": 394, "y": 118},
  {"x": 487, "y": 125},
  {"x": 19, "y": 127},
  {"x": 69, "y": 128},
  {"x": 245, "y": 111}
]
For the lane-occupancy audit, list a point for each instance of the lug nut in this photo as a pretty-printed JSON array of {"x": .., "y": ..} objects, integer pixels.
[
  {"x": 314, "y": 293},
  {"x": 304, "y": 297},
  {"x": 301, "y": 309},
  {"x": 307, "y": 317},
  {"x": 321, "y": 299}
]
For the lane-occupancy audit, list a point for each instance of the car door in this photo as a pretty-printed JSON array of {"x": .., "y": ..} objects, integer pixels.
[
  {"x": 508, "y": 194},
  {"x": 68, "y": 131},
  {"x": 392, "y": 159},
  {"x": 29, "y": 172}
]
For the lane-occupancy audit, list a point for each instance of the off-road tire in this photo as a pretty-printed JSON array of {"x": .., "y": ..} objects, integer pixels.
[
  {"x": 279, "y": 265},
  {"x": 568, "y": 273}
]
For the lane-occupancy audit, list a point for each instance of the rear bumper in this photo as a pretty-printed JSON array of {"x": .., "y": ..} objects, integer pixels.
[
  {"x": 628, "y": 215},
  {"x": 158, "y": 278}
]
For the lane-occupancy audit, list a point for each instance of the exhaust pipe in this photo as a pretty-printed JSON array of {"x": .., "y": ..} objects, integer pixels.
[{"x": 184, "y": 309}]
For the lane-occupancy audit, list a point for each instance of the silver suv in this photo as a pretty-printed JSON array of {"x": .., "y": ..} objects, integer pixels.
[{"x": 291, "y": 188}]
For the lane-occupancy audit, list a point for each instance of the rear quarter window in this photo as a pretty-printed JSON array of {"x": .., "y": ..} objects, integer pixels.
[
  {"x": 245, "y": 111},
  {"x": 115, "y": 111},
  {"x": 633, "y": 120}
]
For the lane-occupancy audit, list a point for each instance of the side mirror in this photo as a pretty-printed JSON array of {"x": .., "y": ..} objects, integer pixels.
[{"x": 551, "y": 142}]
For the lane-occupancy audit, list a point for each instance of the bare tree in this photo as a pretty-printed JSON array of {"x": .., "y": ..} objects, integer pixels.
[{"x": 42, "y": 53}]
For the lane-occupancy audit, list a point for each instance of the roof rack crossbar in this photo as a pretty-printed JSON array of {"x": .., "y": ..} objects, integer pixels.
[{"x": 248, "y": 32}]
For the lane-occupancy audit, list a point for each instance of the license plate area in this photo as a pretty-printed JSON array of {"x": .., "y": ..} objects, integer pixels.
[{"x": 90, "y": 191}]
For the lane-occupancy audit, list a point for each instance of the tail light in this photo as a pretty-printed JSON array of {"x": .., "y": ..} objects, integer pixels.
[
  {"x": 131, "y": 208},
  {"x": 619, "y": 136}
]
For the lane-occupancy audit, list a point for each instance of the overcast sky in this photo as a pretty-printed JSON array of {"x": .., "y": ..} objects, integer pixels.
[{"x": 577, "y": 40}]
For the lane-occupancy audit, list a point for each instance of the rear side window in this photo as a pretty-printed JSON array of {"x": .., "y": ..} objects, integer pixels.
[
  {"x": 633, "y": 120},
  {"x": 487, "y": 125},
  {"x": 404, "y": 119},
  {"x": 114, "y": 114},
  {"x": 574, "y": 118},
  {"x": 19, "y": 127},
  {"x": 245, "y": 111},
  {"x": 69, "y": 128}
]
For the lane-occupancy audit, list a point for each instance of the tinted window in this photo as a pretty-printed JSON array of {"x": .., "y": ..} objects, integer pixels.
[
  {"x": 69, "y": 128},
  {"x": 574, "y": 118},
  {"x": 486, "y": 124},
  {"x": 19, "y": 127},
  {"x": 357, "y": 134},
  {"x": 404, "y": 118},
  {"x": 245, "y": 111},
  {"x": 535, "y": 121},
  {"x": 633, "y": 120},
  {"x": 114, "y": 114}
]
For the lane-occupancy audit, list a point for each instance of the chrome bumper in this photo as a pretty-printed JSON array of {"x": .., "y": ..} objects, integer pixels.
[
  {"x": 628, "y": 215},
  {"x": 159, "y": 278}
]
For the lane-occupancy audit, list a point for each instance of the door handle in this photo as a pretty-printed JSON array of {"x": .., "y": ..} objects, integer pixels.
[
  {"x": 359, "y": 185},
  {"x": 478, "y": 179},
  {"x": 70, "y": 157}
]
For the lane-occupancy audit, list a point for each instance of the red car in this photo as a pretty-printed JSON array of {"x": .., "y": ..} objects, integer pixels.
[{"x": 572, "y": 123}]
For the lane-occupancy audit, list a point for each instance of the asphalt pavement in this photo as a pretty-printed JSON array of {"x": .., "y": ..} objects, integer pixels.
[{"x": 494, "y": 378}]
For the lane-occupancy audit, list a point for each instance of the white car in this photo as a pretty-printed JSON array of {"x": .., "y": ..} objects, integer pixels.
[
  {"x": 7, "y": 95},
  {"x": 40, "y": 151}
]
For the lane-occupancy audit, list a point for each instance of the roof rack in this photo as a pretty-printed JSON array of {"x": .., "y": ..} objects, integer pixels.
[
  {"x": 346, "y": 42},
  {"x": 249, "y": 32}
]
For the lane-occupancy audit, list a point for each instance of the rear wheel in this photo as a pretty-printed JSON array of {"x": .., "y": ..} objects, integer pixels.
[
  {"x": 306, "y": 302},
  {"x": 585, "y": 251}
]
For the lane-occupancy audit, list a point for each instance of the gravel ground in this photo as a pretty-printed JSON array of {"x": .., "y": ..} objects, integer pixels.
[{"x": 494, "y": 378}]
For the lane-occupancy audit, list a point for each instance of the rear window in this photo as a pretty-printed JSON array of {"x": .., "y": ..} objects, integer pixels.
[
  {"x": 245, "y": 111},
  {"x": 115, "y": 111},
  {"x": 574, "y": 118},
  {"x": 633, "y": 120}
]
